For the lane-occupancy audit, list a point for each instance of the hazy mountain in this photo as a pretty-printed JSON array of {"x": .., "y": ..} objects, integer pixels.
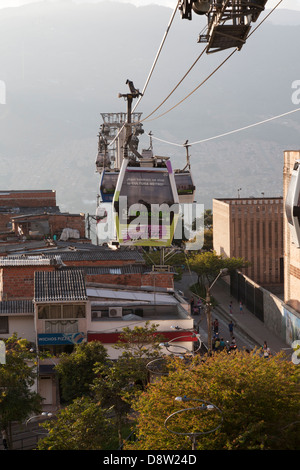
[{"x": 64, "y": 64}]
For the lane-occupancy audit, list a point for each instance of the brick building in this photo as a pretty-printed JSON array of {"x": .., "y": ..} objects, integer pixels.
[
  {"x": 252, "y": 228},
  {"x": 14, "y": 203},
  {"x": 35, "y": 215},
  {"x": 66, "y": 294},
  {"x": 38, "y": 226}
]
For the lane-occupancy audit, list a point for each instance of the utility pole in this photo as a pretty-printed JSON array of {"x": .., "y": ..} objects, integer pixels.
[
  {"x": 223, "y": 272},
  {"x": 134, "y": 93},
  {"x": 208, "y": 318}
]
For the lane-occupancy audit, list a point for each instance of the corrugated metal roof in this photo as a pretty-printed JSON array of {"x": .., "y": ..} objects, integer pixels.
[
  {"x": 103, "y": 255},
  {"x": 16, "y": 306},
  {"x": 123, "y": 269},
  {"x": 72, "y": 251},
  {"x": 29, "y": 261},
  {"x": 66, "y": 285},
  {"x": 150, "y": 297}
]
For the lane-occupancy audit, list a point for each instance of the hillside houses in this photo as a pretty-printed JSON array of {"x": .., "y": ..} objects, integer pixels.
[{"x": 58, "y": 293}]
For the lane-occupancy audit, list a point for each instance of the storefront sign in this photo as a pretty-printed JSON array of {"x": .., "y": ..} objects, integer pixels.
[{"x": 60, "y": 338}]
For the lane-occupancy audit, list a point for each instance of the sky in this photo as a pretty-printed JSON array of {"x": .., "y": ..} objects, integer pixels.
[{"x": 287, "y": 4}]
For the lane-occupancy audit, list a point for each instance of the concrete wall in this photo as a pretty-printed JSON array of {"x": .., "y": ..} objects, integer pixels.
[
  {"x": 221, "y": 228},
  {"x": 22, "y": 325},
  {"x": 279, "y": 317}
]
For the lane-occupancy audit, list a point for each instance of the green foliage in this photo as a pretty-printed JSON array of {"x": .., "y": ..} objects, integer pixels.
[
  {"x": 259, "y": 400},
  {"x": 17, "y": 376},
  {"x": 76, "y": 370},
  {"x": 208, "y": 265},
  {"x": 118, "y": 382},
  {"x": 140, "y": 341},
  {"x": 83, "y": 425}
]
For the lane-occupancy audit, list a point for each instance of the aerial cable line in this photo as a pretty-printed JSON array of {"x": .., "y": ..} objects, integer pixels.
[
  {"x": 152, "y": 68},
  {"x": 193, "y": 91},
  {"x": 230, "y": 132},
  {"x": 264, "y": 19},
  {"x": 158, "y": 54},
  {"x": 214, "y": 71},
  {"x": 193, "y": 65}
]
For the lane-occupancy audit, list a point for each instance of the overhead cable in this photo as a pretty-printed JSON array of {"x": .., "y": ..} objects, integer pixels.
[
  {"x": 205, "y": 80},
  {"x": 157, "y": 55},
  {"x": 230, "y": 132},
  {"x": 152, "y": 68}
]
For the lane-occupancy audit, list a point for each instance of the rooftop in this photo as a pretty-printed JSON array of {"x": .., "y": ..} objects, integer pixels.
[
  {"x": 16, "y": 306},
  {"x": 66, "y": 285}
]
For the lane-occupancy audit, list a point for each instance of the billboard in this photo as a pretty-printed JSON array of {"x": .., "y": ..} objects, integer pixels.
[
  {"x": 60, "y": 338},
  {"x": 146, "y": 205}
]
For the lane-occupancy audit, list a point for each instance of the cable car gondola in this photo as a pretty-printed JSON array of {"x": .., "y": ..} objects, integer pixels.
[
  {"x": 146, "y": 204},
  {"x": 185, "y": 187},
  {"x": 108, "y": 183},
  {"x": 292, "y": 204}
]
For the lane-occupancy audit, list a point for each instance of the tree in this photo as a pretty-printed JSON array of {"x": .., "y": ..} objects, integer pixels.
[
  {"x": 207, "y": 265},
  {"x": 259, "y": 400},
  {"x": 83, "y": 425},
  {"x": 17, "y": 376},
  {"x": 141, "y": 342},
  {"x": 208, "y": 219},
  {"x": 76, "y": 370},
  {"x": 118, "y": 382}
]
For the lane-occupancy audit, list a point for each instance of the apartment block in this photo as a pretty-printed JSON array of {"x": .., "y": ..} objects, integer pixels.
[{"x": 252, "y": 228}]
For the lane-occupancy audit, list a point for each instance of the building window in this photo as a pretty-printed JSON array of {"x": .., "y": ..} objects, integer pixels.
[
  {"x": 3, "y": 324},
  {"x": 61, "y": 326},
  {"x": 73, "y": 311},
  {"x": 61, "y": 311}
]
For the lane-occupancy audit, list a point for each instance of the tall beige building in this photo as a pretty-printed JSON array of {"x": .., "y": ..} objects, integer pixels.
[
  {"x": 252, "y": 228},
  {"x": 291, "y": 251}
]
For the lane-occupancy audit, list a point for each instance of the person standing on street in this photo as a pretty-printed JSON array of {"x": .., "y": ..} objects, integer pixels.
[
  {"x": 192, "y": 305},
  {"x": 230, "y": 327},
  {"x": 216, "y": 326},
  {"x": 266, "y": 350},
  {"x": 4, "y": 439}
]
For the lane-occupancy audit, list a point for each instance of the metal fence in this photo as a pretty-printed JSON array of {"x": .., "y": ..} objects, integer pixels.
[{"x": 247, "y": 293}]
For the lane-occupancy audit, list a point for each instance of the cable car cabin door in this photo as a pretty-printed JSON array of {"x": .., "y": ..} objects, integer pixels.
[
  {"x": 108, "y": 184},
  {"x": 146, "y": 205},
  {"x": 185, "y": 187},
  {"x": 292, "y": 204}
]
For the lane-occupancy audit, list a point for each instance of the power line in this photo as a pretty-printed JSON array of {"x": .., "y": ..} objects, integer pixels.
[
  {"x": 230, "y": 132},
  {"x": 158, "y": 54},
  {"x": 186, "y": 74},
  {"x": 195, "y": 89},
  {"x": 152, "y": 68},
  {"x": 210, "y": 75}
]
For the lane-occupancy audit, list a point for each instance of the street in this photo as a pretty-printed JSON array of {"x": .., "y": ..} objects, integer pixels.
[{"x": 243, "y": 341}]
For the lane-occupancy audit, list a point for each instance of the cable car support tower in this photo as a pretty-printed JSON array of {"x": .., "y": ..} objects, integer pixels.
[{"x": 228, "y": 21}]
